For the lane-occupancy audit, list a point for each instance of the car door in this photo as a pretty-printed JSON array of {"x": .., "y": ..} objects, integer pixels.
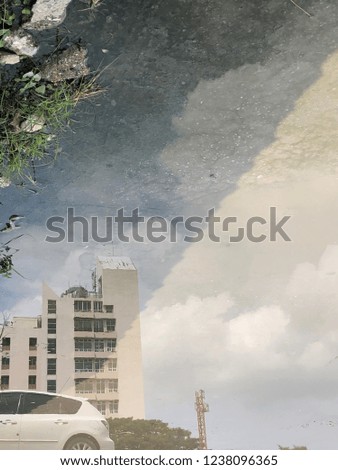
[
  {"x": 10, "y": 420},
  {"x": 42, "y": 425}
]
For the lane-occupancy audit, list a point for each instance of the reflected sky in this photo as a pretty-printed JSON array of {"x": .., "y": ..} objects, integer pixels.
[
  {"x": 260, "y": 318},
  {"x": 253, "y": 324}
]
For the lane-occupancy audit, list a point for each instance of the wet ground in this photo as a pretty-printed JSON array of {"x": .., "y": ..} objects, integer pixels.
[
  {"x": 198, "y": 96},
  {"x": 156, "y": 55}
]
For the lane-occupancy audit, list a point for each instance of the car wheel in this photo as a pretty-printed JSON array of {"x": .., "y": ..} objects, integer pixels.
[{"x": 81, "y": 443}]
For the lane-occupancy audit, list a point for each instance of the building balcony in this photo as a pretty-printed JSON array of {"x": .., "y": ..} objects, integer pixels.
[
  {"x": 97, "y": 354},
  {"x": 86, "y": 374},
  {"x": 95, "y": 334},
  {"x": 93, "y": 315},
  {"x": 107, "y": 396}
]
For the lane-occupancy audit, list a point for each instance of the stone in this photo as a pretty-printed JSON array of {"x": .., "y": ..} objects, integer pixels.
[
  {"x": 21, "y": 43},
  {"x": 32, "y": 124},
  {"x": 70, "y": 64},
  {"x": 4, "y": 182},
  {"x": 47, "y": 14},
  {"x": 6, "y": 58}
]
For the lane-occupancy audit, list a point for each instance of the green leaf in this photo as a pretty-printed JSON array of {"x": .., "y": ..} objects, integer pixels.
[
  {"x": 9, "y": 20},
  {"x": 41, "y": 89},
  {"x": 28, "y": 74},
  {"x": 26, "y": 11},
  {"x": 29, "y": 85},
  {"x": 4, "y": 32}
]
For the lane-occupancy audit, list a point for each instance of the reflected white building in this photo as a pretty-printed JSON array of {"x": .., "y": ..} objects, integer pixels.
[{"x": 84, "y": 343}]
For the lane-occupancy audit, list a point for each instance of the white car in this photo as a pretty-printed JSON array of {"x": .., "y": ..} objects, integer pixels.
[{"x": 39, "y": 420}]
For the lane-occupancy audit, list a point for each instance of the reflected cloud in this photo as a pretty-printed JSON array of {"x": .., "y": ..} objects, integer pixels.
[{"x": 284, "y": 294}]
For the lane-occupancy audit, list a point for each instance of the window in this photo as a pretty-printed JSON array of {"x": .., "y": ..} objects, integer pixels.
[
  {"x": 109, "y": 308},
  {"x": 4, "y": 382},
  {"x": 31, "y": 382},
  {"x": 6, "y": 344},
  {"x": 98, "y": 325},
  {"x": 110, "y": 344},
  {"x": 82, "y": 324},
  {"x": 112, "y": 385},
  {"x": 51, "y": 326},
  {"x": 9, "y": 403},
  {"x": 5, "y": 363},
  {"x": 110, "y": 324},
  {"x": 32, "y": 362},
  {"x": 101, "y": 406},
  {"x": 99, "y": 365},
  {"x": 51, "y": 386},
  {"x": 112, "y": 365},
  {"x": 99, "y": 345},
  {"x": 84, "y": 386},
  {"x": 51, "y": 366},
  {"x": 98, "y": 306},
  {"x": 100, "y": 386},
  {"x": 51, "y": 347},
  {"x": 83, "y": 364},
  {"x": 51, "y": 306},
  {"x": 33, "y": 344},
  {"x": 83, "y": 344},
  {"x": 113, "y": 406},
  {"x": 82, "y": 306},
  {"x": 90, "y": 364}
]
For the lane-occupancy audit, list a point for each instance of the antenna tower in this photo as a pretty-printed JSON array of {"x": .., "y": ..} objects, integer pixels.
[{"x": 201, "y": 408}]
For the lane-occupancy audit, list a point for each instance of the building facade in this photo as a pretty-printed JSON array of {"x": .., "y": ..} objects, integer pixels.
[{"x": 85, "y": 343}]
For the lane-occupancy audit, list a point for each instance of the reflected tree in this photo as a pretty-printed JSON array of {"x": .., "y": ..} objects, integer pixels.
[
  {"x": 130, "y": 434},
  {"x": 293, "y": 448},
  {"x": 6, "y": 258}
]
